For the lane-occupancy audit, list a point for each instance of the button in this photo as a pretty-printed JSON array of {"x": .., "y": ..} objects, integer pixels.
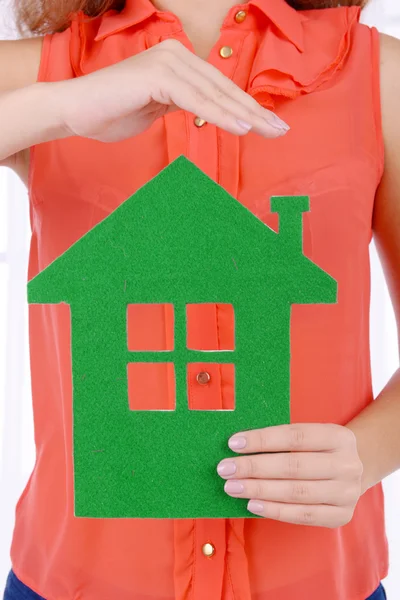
[
  {"x": 203, "y": 377},
  {"x": 208, "y": 550},
  {"x": 226, "y": 51},
  {"x": 240, "y": 16},
  {"x": 199, "y": 122}
]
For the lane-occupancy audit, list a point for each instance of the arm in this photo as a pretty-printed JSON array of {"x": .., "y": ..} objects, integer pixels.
[
  {"x": 28, "y": 116},
  {"x": 315, "y": 473},
  {"x": 19, "y": 66},
  {"x": 377, "y": 427},
  {"x": 130, "y": 96}
]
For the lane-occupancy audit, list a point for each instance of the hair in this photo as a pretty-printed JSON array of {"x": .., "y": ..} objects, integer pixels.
[{"x": 49, "y": 16}]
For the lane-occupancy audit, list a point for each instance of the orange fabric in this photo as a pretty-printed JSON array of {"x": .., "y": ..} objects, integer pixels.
[{"x": 320, "y": 72}]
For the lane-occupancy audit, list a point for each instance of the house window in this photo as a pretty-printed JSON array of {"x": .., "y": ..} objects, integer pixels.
[
  {"x": 151, "y": 385},
  {"x": 210, "y": 329}
]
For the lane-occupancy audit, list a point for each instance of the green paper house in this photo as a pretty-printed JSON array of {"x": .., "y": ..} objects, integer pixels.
[{"x": 181, "y": 240}]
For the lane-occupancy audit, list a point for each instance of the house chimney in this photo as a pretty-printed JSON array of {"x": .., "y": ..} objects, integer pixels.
[{"x": 290, "y": 210}]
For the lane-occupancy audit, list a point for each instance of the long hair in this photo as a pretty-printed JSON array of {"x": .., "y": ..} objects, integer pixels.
[{"x": 50, "y": 16}]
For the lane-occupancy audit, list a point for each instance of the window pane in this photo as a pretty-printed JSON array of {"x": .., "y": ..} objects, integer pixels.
[
  {"x": 150, "y": 327},
  {"x": 210, "y": 326},
  {"x": 151, "y": 386},
  {"x": 211, "y": 386}
]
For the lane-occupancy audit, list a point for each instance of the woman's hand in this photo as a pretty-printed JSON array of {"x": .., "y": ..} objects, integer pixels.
[
  {"x": 124, "y": 100},
  {"x": 309, "y": 474}
]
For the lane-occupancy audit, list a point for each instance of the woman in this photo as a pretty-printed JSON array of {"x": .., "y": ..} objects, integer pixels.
[{"x": 104, "y": 104}]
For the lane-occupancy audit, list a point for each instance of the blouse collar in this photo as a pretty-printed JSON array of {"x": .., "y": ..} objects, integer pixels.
[{"x": 285, "y": 18}]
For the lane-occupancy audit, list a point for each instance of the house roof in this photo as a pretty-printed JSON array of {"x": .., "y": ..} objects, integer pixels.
[{"x": 180, "y": 227}]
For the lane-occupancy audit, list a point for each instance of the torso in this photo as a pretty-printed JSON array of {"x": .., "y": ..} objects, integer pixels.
[{"x": 333, "y": 155}]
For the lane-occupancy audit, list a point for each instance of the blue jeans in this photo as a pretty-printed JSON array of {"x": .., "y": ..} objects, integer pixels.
[{"x": 16, "y": 590}]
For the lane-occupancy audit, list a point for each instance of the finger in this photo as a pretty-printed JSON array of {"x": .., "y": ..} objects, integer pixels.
[
  {"x": 294, "y": 492},
  {"x": 301, "y": 437},
  {"x": 300, "y": 514},
  {"x": 211, "y": 81},
  {"x": 193, "y": 92},
  {"x": 197, "y": 102},
  {"x": 290, "y": 465}
]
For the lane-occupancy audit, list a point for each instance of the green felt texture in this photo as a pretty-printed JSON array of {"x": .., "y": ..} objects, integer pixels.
[{"x": 180, "y": 239}]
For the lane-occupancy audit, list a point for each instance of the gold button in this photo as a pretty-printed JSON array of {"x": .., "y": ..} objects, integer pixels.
[
  {"x": 208, "y": 550},
  {"x": 199, "y": 122},
  {"x": 240, "y": 16},
  {"x": 203, "y": 377},
  {"x": 226, "y": 51}
]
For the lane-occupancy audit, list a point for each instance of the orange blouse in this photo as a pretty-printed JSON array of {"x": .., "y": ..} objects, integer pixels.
[{"x": 319, "y": 71}]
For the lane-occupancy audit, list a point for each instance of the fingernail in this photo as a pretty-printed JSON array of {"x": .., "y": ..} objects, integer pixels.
[
  {"x": 278, "y": 123},
  {"x": 255, "y": 507},
  {"x": 244, "y": 124},
  {"x": 226, "y": 468},
  {"x": 234, "y": 487},
  {"x": 237, "y": 443}
]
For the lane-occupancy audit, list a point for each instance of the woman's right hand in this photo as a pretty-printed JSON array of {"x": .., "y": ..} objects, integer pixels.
[{"x": 123, "y": 100}]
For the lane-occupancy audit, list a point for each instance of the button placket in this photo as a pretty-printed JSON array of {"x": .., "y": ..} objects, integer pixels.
[
  {"x": 210, "y": 556},
  {"x": 225, "y": 56},
  {"x": 229, "y": 144},
  {"x": 203, "y": 149},
  {"x": 177, "y": 141},
  {"x": 202, "y": 145}
]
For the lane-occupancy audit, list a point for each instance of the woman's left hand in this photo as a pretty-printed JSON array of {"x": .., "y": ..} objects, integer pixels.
[{"x": 307, "y": 473}]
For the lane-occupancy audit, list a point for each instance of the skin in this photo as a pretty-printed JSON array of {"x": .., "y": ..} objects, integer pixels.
[
  {"x": 306, "y": 473},
  {"x": 164, "y": 78}
]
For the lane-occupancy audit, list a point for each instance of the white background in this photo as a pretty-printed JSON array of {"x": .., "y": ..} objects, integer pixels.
[{"x": 16, "y": 430}]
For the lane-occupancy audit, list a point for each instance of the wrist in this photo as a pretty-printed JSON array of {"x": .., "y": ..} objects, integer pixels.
[
  {"x": 51, "y": 101},
  {"x": 368, "y": 479}
]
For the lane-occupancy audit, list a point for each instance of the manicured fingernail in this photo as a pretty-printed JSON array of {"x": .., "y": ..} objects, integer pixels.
[
  {"x": 255, "y": 507},
  {"x": 234, "y": 487},
  {"x": 226, "y": 468},
  {"x": 278, "y": 123},
  {"x": 244, "y": 124},
  {"x": 237, "y": 443}
]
